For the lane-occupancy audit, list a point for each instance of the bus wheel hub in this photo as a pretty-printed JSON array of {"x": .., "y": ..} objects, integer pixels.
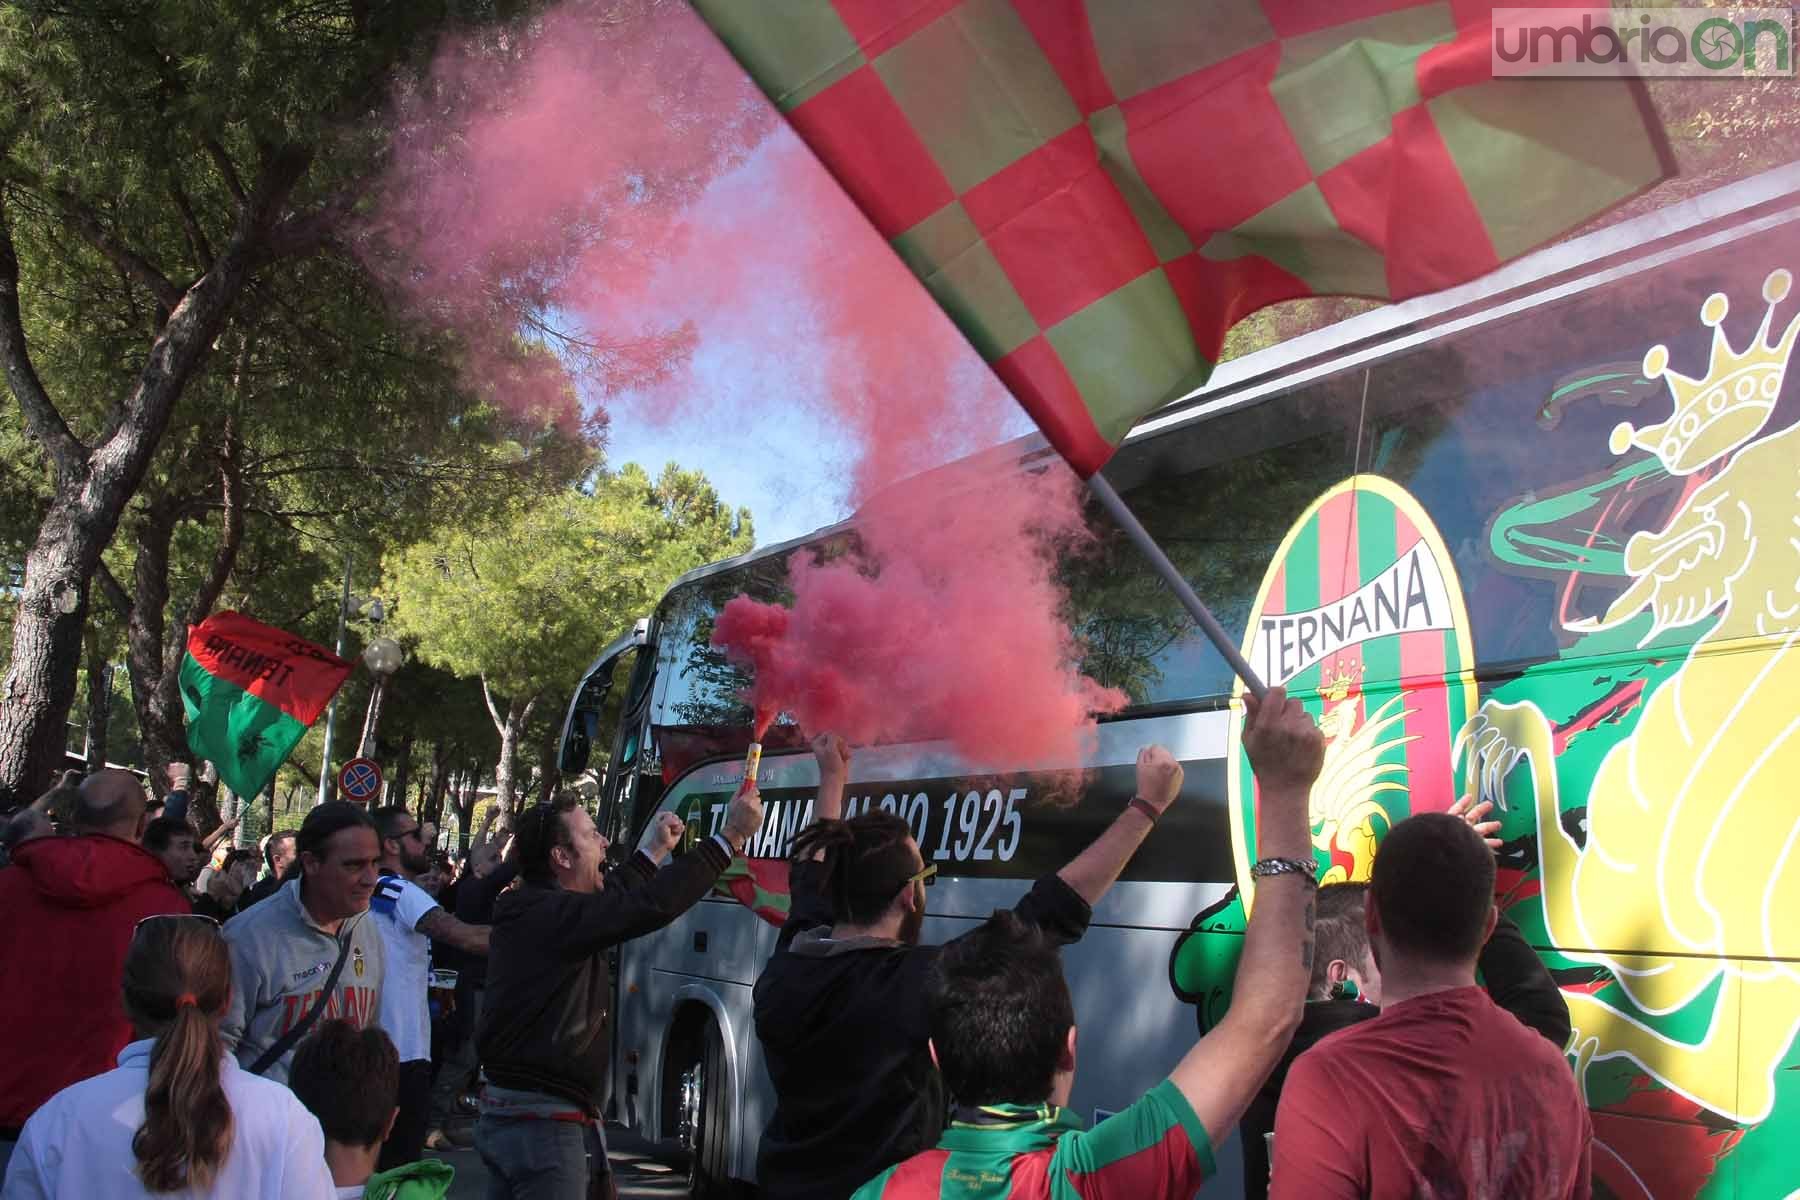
[{"x": 687, "y": 1119}]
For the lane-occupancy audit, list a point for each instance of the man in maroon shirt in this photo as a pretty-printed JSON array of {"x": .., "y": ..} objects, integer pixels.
[{"x": 1445, "y": 1093}]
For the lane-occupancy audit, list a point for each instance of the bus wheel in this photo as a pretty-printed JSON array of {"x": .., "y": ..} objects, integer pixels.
[{"x": 702, "y": 1118}]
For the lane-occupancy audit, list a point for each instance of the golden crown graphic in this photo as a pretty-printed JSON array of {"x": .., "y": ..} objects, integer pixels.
[
  {"x": 1335, "y": 687},
  {"x": 1719, "y": 412}
]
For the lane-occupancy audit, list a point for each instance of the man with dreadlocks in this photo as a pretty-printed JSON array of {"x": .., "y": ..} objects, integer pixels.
[{"x": 841, "y": 1006}]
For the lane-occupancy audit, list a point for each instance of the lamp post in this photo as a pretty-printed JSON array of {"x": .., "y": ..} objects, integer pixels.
[
  {"x": 349, "y": 606},
  {"x": 331, "y": 710},
  {"x": 383, "y": 657}
]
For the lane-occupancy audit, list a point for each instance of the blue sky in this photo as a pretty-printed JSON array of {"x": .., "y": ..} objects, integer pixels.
[{"x": 754, "y": 408}]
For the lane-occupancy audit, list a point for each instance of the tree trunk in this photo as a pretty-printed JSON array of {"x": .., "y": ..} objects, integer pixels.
[
  {"x": 155, "y": 646},
  {"x": 465, "y": 797},
  {"x": 396, "y": 788},
  {"x": 99, "y": 703},
  {"x": 203, "y": 799},
  {"x": 46, "y": 655},
  {"x": 549, "y": 770},
  {"x": 518, "y": 711},
  {"x": 94, "y": 484},
  {"x": 431, "y": 802}
]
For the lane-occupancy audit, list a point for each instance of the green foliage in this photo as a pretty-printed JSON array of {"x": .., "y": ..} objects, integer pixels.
[{"x": 527, "y": 601}]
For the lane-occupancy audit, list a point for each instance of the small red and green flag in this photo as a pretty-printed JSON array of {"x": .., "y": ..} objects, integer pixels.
[
  {"x": 1097, "y": 190},
  {"x": 760, "y": 885},
  {"x": 251, "y": 692}
]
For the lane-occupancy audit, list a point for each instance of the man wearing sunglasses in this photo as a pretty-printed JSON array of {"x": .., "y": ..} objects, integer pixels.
[
  {"x": 410, "y": 919},
  {"x": 841, "y": 1007}
]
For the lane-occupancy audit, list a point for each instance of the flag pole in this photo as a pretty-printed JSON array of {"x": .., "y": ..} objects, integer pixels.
[{"x": 1209, "y": 624}]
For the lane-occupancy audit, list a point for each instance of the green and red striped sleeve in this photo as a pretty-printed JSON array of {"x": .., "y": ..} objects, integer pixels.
[
  {"x": 1156, "y": 1147},
  {"x": 918, "y": 1178}
]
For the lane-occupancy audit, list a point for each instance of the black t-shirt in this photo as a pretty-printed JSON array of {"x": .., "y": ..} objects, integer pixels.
[{"x": 843, "y": 1029}]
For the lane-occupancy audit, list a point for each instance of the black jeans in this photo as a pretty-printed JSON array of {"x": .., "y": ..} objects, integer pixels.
[{"x": 407, "y": 1142}]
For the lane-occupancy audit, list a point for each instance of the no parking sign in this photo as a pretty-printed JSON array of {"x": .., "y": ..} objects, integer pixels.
[{"x": 359, "y": 780}]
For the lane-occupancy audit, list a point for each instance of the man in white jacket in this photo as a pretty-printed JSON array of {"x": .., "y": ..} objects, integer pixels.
[{"x": 286, "y": 951}]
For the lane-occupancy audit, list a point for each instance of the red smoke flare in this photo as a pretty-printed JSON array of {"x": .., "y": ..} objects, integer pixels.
[{"x": 619, "y": 181}]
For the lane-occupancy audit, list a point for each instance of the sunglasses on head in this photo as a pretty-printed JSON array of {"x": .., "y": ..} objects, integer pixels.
[{"x": 174, "y": 917}]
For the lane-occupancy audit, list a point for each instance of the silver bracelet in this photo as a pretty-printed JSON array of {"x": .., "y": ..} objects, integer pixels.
[{"x": 1305, "y": 868}]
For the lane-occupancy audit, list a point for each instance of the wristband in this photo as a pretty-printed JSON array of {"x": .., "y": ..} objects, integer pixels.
[
  {"x": 1305, "y": 868},
  {"x": 1145, "y": 807}
]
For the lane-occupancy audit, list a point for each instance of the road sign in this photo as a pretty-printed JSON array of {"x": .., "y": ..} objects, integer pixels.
[{"x": 359, "y": 779}]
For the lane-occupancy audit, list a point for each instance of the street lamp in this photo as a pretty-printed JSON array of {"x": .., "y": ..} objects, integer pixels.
[
  {"x": 372, "y": 608},
  {"x": 383, "y": 657}
]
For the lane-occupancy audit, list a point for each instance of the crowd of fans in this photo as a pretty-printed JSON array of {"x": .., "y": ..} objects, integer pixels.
[{"x": 182, "y": 1017}]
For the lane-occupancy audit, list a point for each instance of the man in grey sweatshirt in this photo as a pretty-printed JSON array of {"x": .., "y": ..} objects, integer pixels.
[{"x": 283, "y": 950}]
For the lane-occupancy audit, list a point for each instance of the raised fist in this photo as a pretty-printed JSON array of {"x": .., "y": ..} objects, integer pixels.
[
  {"x": 1286, "y": 748},
  {"x": 833, "y": 753},
  {"x": 1158, "y": 777},
  {"x": 661, "y": 835}
]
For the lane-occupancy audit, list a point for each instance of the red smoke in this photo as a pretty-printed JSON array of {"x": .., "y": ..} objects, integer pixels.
[
  {"x": 625, "y": 184},
  {"x": 533, "y": 164},
  {"x": 948, "y": 627}
]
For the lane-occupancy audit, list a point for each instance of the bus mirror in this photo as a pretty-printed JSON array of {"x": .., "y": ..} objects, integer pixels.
[
  {"x": 578, "y": 743},
  {"x": 584, "y": 721}
]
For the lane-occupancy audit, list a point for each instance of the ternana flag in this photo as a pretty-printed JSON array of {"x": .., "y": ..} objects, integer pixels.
[
  {"x": 251, "y": 692},
  {"x": 1097, "y": 190}
]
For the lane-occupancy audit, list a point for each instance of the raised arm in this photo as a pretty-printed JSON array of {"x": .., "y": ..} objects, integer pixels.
[
  {"x": 1096, "y": 868},
  {"x": 1223, "y": 1071},
  {"x": 224, "y": 830},
  {"x": 833, "y": 755},
  {"x": 1512, "y": 972},
  {"x": 440, "y": 926},
  {"x": 616, "y": 914}
]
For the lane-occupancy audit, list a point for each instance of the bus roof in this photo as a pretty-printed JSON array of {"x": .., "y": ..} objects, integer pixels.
[{"x": 1559, "y": 270}]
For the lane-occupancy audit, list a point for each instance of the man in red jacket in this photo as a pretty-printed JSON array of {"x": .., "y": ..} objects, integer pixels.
[{"x": 68, "y": 907}]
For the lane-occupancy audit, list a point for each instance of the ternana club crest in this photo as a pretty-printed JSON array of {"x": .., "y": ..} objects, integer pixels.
[{"x": 1361, "y": 617}]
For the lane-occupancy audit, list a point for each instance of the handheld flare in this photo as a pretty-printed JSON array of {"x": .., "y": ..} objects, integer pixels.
[{"x": 752, "y": 761}]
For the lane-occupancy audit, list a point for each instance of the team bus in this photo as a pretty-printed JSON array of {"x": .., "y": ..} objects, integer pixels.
[{"x": 1537, "y": 538}]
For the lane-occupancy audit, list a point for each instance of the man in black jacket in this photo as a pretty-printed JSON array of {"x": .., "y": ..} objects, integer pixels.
[
  {"x": 841, "y": 1007},
  {"x": 1346, "y": 990},
  {"x": 543, "y": 1036}
]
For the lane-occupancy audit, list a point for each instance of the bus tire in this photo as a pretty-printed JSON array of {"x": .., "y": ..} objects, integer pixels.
[{"x": 704, "y": 1114}]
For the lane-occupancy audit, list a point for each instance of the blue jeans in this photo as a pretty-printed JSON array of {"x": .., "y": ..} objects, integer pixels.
[{"x": 534, "y": 1159}]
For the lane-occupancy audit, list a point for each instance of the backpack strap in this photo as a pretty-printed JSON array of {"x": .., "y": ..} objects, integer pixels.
[{"x": 288, "y": 1040}]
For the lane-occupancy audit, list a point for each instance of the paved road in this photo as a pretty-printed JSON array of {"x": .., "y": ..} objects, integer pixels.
[{"x": 641, "y": 1173}]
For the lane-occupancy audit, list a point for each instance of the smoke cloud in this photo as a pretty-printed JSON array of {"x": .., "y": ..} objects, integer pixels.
[{"x": 609, "y": 183}]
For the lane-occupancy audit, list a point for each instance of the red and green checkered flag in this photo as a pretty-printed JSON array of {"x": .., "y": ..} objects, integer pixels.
[
  {"x": 1096, "y": 191},
  {"x": 251, "y": 692}
]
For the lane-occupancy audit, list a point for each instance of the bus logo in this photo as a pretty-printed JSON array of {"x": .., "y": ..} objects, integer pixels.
[{"x": 1360, "y": 615}]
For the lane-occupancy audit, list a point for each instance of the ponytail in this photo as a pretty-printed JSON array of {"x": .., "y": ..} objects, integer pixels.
[
  {"x": 866, "y": 862},
  {"x": 177, "y": 985}
]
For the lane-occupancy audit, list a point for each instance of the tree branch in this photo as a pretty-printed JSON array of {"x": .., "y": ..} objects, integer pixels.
[
  {"x": 195, "y": 234},
  {"x": 231, "y": 536},
  {"x": 227, "y": 172},
  {"x": 47, "y": 426},
  {"x": 86, "y": 223},
  {"x": 115, "y": 593},
  {"x": 493, "y": 710}
]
